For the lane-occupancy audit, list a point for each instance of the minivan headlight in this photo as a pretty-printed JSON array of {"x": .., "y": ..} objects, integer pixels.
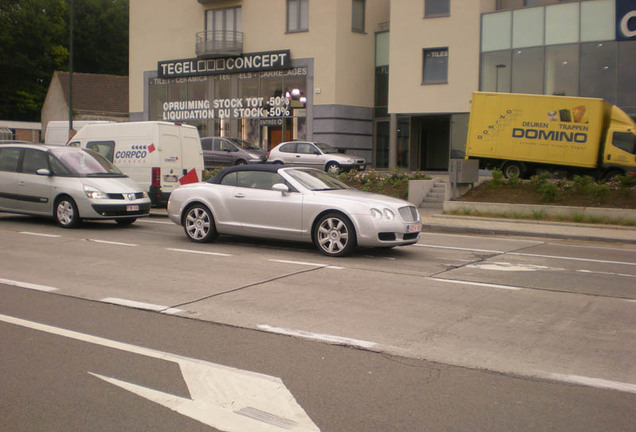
[{"x": 94, "y": 193}]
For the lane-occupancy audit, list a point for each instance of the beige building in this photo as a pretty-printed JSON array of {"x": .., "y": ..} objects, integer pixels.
[
  {"x": 95, "y": 97},
  {"x": 390, "y": 80},
  {"x": 261, "y": 70}
]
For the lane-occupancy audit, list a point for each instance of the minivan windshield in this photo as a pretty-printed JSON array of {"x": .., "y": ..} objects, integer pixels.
[
  {"x": 85, "y": 162},
  {"x": 316, "y": 180},
  {"x": 244, "y": 144}
]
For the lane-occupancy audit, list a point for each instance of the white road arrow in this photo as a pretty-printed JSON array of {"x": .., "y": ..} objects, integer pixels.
[{"x": 225, "y": 398}]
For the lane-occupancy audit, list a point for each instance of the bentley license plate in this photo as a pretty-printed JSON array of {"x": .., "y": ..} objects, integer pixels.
[{"x": 414, "y": 228}]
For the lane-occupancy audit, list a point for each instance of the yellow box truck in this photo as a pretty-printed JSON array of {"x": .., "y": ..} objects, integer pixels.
[{"x": 523, "y": 134}]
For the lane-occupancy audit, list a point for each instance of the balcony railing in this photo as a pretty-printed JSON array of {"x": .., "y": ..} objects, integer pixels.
[{"x": 219, "y": 43}]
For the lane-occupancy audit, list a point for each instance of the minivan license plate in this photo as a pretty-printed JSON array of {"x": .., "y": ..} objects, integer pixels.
[
  {"x": 414, "y": 228},
  {"x": 132, "y": 208},
  {"x": 171, "y": 178}
]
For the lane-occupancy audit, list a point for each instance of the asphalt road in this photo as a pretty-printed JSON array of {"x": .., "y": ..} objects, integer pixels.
[
  {"x": 457, "y": 331},
  {"x": 54, "y": 382}
]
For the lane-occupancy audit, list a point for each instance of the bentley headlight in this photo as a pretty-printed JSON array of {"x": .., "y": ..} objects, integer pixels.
[
  {"x": 386, "y": 214},
  {"x": 94, "y": 193}
]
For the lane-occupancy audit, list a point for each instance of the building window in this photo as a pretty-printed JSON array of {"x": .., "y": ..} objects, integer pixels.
[
  {"x": 562, "y": 70},
  {"x": 528, "y": 70},
  {"x": 223, "y": 23},
  {"x": 357, "y": 15},
  {"x": 599, "y": 70},
  {"x": 435, "y": 66},
  {"x": 297, "y": 16},
  {"x": 436, "y": 8}
]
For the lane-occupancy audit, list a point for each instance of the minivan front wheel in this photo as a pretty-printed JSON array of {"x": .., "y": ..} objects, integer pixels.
[{"x": 66, "y": 213}]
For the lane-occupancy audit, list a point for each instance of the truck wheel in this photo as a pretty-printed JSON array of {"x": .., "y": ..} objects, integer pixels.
[
  {"x": 611, "y": 176},
  {"x": 511, "y": 169}
]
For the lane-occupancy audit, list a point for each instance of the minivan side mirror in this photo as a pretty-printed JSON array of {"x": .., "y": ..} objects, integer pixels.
[{"x": 43, "y": 172}]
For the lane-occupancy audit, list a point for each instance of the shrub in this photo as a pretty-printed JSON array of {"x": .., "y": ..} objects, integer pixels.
[
  {"x": 514, "y": 181},
  {"x": 601, "y": 192},
  {"x": 540, "y": 179},
  {"x": 549, "y": 191},
  {"x": 583, "y": 184},
  {"x": 626, "y": 181},
  {"x": 208, "y": 174},
  {"x": 394, "y": 182},
  {"x": 497, "y": 178}
]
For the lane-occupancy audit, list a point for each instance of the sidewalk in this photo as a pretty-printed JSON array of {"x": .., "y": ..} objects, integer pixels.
[{"x": 434, "y": 220}]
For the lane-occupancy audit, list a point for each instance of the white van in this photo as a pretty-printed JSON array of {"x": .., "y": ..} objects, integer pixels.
[
  {"x": 159, "y": 156},
  {"x": 57, "y": 130}
]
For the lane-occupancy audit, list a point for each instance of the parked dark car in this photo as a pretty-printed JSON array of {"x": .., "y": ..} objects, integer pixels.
[{"x": 223, "y": 151}]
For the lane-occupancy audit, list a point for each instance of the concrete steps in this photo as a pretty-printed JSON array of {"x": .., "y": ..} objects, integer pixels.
[{"x": 437, "y": 193}]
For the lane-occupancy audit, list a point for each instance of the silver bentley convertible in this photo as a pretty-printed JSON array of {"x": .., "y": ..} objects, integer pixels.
[{"x": 301, "y": 204}]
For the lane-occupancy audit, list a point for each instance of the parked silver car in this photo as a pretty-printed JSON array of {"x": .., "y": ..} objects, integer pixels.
[
  {"x": 68, "y": 184},
  {"x": 221, "y": 151},
  {"x": 316, "y": 155},
  {"x": 302, "y": 204}
]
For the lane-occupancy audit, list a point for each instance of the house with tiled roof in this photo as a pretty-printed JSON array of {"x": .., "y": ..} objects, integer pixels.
[{"x": 95, "y": 97}]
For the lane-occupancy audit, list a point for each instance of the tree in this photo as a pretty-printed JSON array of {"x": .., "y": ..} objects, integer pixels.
[{"x": 34, "y": 42}]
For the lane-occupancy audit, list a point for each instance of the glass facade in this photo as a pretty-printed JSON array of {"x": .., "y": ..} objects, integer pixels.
[
  {"x": 263, "y": 108},
  {"x": 568, "y": 49}
]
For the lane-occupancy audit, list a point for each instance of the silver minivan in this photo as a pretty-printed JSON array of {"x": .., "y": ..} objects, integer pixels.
[
  {"x": 68, "y": 184},
  {"x": 222, "y": 151}
]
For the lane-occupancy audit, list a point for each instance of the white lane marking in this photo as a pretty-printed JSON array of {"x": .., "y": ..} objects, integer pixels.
[
  {"x": 307, "y": 264},
  {"x": 28, "y": 285},
  {"x": 593, "y": 247},
  {"x": 572, "y": 258},
  {"x": 481, "y": 284},
  {"x": 141, "y": 305},
  {"x": 526, "y": 254},
  {"x": 40, "y": 234},
  {"x": 607, "y": 273},
  {"x": 510, "y": 267},
  {"x": 337, "y": 340},
  {"x": 459, "y": 248},
  {"x": 225, "y": 398},
  {"x": 199, "y": 252},
  {"x": 473, "y": 237},
  {"x": 592, "y": 382},
  {"x": 112, "y": 243},
  {"x": 155, "y": 222}
]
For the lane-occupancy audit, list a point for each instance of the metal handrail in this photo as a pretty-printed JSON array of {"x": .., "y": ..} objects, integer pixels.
[{"x": 219, "y": 43}]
